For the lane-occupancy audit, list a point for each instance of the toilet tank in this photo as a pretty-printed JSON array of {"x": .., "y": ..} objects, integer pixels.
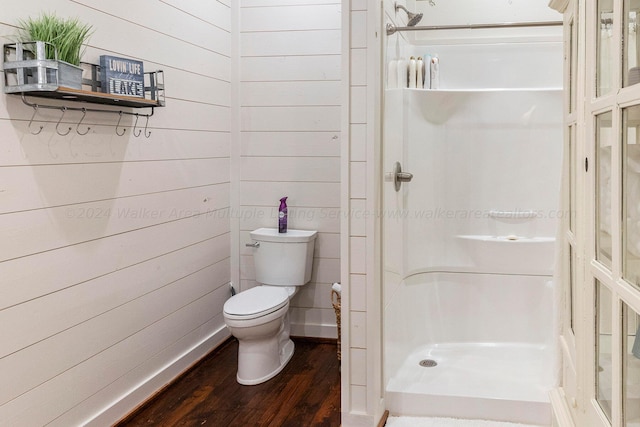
[{"x": 283, "y": 259}]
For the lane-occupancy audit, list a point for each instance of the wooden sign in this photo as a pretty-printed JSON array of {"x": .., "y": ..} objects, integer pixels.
[{"x": 121, "y": 76}]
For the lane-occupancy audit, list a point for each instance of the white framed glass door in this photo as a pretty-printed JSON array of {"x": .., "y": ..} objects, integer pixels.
[{"x": 606, "y": 333}]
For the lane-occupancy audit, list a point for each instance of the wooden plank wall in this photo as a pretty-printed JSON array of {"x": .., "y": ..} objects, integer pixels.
[
  {"x": 115, "y": 251},
  {"x": 290, "y": 139}
]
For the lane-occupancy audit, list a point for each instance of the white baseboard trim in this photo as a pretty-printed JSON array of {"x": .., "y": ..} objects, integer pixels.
[
  {"x": 146, "y": 389},
  {"x": 561, "y": 413},
  {"x": 315, "y": 330}
]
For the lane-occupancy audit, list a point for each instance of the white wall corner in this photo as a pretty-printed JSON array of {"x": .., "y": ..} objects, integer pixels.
[{"x": 234, "y": 148}]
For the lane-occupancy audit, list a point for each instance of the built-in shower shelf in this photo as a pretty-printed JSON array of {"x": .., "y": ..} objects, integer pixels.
[
  {"x": 510, "y": 254},
  {"x": 438, "y": 105}
]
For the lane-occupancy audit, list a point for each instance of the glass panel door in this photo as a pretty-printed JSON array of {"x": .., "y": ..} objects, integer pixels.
[
  {"x": 573, "y": 300},
  {"x": 604, "y": 47},
  {"x": 631, "y": 367},
  {"x": 604, "y": 386},
  {"x": 631, "y": 49},
  {"x": 631, "y": 194},
  {"x": 572, "y": 179},
  {"x": 604, "y": 237},
  {"x": 573, "y": 60},
  {"x": 603, "y": 187}
]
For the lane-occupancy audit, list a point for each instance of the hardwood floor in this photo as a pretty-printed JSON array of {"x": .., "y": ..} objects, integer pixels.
[{"x": 305, "y": 393}]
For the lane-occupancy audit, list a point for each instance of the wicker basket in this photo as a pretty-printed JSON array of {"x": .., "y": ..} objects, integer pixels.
[{"x": 335, "y": 301}]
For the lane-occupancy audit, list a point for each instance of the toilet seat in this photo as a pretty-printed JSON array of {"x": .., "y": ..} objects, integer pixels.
[{"x": 255, "y": 302}]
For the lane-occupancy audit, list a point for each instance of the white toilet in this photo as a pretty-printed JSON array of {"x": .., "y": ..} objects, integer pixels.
[{"x": 258, "y": 317}]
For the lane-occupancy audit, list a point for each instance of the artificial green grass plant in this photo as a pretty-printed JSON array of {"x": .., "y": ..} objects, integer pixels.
[{"x": 67, "y": 35}]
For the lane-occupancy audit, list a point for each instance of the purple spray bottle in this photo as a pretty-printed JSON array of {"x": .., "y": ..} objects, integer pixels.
[{"x": 282, "y": 216}]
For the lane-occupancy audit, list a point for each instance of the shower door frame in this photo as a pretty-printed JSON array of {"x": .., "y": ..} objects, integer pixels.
[{"x": 386, "y": 168}]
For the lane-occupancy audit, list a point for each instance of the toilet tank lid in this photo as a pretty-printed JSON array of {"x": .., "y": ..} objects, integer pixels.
[{"x": 291, "y": 236}]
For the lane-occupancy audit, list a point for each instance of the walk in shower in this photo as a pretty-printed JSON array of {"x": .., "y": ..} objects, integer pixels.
[{"x": 469, "y": 237}]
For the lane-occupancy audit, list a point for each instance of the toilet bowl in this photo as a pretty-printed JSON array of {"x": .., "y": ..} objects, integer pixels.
[{"x": 258, "y": 317}]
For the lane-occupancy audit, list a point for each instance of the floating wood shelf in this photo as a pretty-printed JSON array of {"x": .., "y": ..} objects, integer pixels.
[
  {"x": 70, "y": 94},
  {"x": 27, "y": 72}
]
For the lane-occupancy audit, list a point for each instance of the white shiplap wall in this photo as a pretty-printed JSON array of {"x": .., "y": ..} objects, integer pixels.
[
  {"x": 115, "y": 252},
  {"x": 290, "y": 103}
]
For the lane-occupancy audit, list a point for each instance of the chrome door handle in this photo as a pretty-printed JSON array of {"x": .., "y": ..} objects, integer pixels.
[
  {"x": 253, "y": 245},
  {"x": 399, "y": 177},
  {"x": 404, "y": 176}
]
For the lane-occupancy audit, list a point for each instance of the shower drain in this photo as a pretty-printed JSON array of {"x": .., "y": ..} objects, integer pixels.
[{"x": 428, "y": 363}]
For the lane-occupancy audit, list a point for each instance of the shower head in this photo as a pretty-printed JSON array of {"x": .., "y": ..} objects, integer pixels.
[{"x": 413, "y": 18}]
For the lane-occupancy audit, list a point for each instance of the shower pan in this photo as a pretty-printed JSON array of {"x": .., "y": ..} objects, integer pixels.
[{"x": 469, "y": 241}]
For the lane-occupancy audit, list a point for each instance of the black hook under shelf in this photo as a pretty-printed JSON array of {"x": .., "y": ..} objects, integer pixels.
[{"x": 84, "y": 110}]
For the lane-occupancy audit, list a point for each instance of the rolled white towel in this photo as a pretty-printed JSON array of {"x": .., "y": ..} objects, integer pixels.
[{"x": 337, "y": 287}]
